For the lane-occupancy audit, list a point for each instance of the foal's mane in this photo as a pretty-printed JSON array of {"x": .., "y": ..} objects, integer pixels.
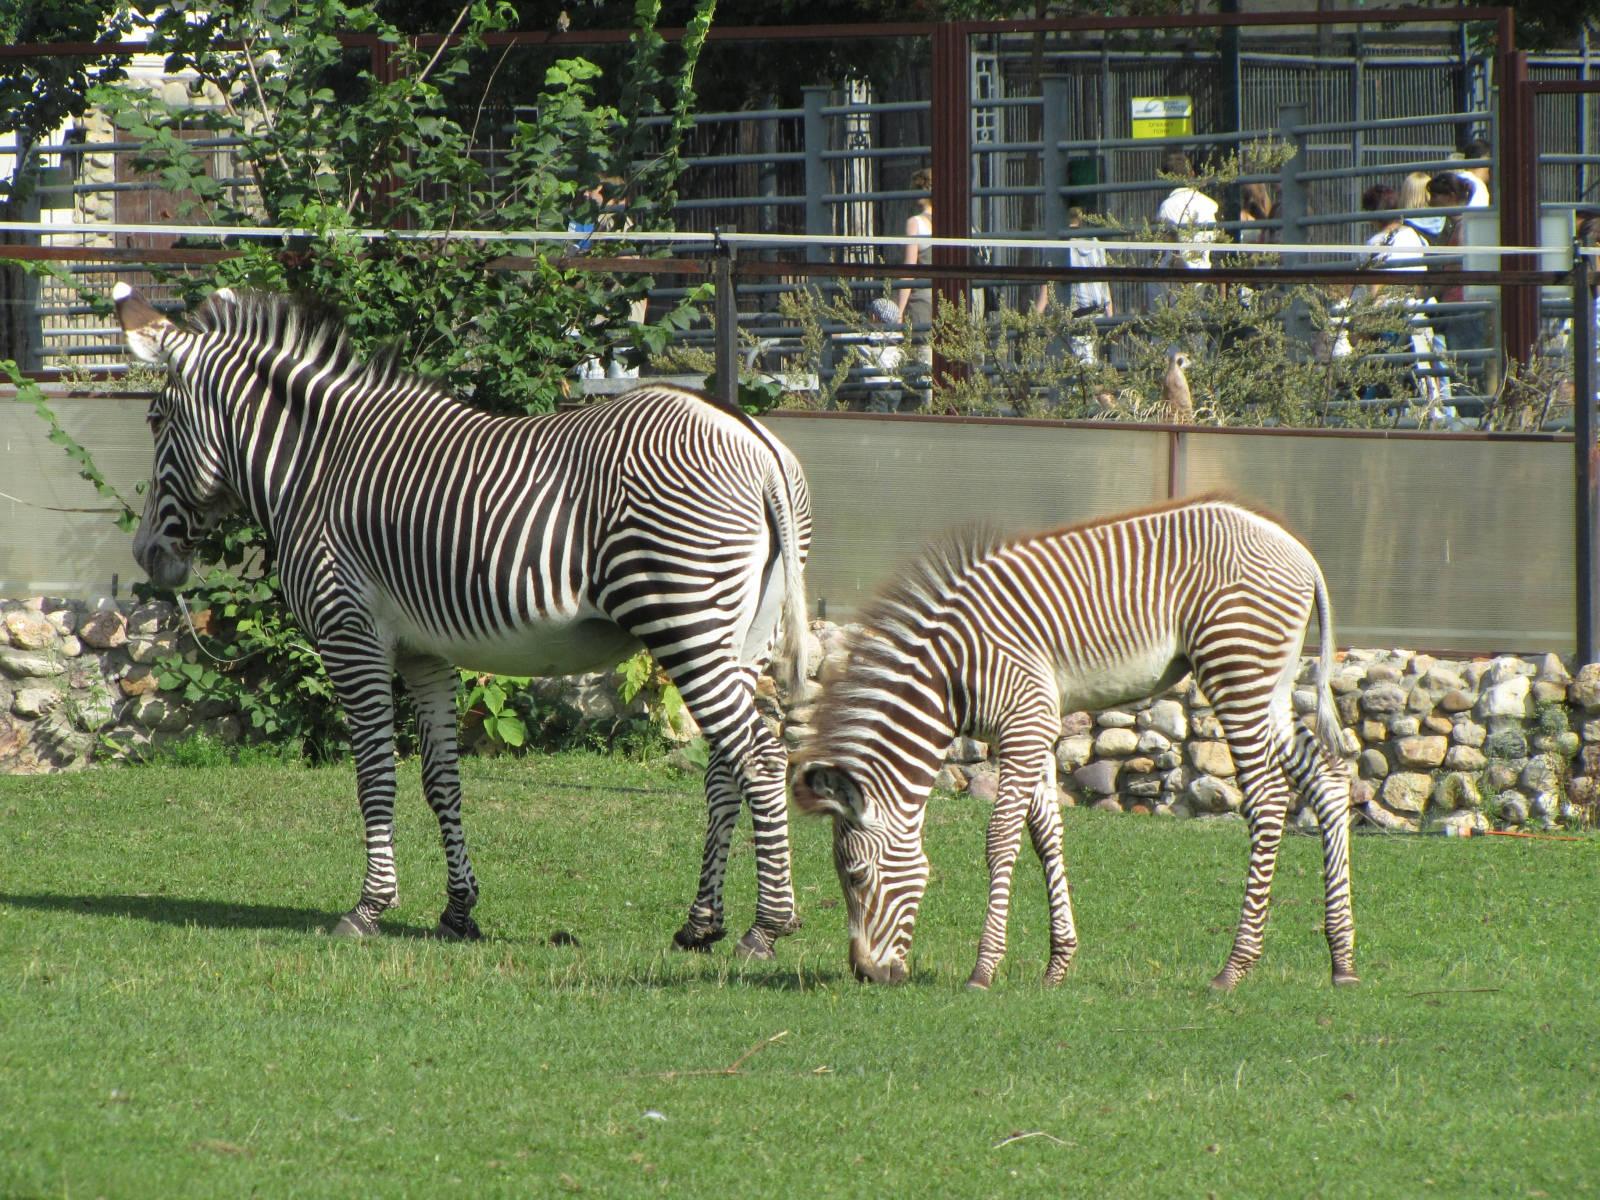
[
  {"x": 314, "y": 333},
  {"x": 890, "y": 627}
]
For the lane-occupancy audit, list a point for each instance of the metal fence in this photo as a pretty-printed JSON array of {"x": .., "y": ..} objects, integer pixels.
[{"x": 1049, "y": 124}]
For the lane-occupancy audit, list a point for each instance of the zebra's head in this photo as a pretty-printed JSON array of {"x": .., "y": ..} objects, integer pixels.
[
  {"x": 187, "y": 494},
  {"x": 877, "y": 850}
]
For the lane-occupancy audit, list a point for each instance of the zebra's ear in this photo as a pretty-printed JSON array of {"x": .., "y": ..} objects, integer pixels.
[
  {"x": 823, "y": 788},
  {"x": 145, "y": 329}
]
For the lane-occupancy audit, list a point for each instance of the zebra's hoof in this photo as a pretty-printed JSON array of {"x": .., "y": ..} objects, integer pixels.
[
  {"x": 1345, "y": 979},
  {"x": 698, "y": 937},
  {"x": 453, "y": 928},
  {"x": 975, "y": 984},
  {"x": 1226, "y": 980},
  {"x": 755, "y": 945},
  {"x": 354, "y": 924}
]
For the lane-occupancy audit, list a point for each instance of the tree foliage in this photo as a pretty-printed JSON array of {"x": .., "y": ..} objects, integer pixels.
[{"x": 333, "y": 143}]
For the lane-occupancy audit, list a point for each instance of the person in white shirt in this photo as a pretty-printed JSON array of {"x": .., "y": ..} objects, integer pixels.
[
  {"x": 1477, "y": 177},
  {"x": 1398, "y": 247},
  {"x": 1187, "y": 214},
  {"x": 1087, "y": 298}
]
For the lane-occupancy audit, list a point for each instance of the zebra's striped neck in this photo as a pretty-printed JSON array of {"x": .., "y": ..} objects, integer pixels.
[{"x": 284, "y": 388}]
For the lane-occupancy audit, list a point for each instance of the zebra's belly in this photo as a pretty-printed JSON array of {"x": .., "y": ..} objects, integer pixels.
[
  {"x": 1096, "y": 684},
  {"x": 555, "y": 647}
]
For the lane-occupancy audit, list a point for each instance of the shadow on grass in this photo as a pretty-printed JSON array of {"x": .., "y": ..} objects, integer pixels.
[{"x": 210, "y": 914}]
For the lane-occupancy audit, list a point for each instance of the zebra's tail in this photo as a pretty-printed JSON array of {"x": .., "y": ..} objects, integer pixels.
[
  {"x": 791, "y": 651},
  {"x": 1328, "y": 732}
]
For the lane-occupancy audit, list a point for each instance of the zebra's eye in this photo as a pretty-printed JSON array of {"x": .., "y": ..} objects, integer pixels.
[{"x": 858, "y": 876}]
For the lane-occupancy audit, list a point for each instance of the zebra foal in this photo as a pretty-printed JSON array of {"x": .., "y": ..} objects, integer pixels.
[
  {"x": 990, "y": 637},
  {"x": 413, "y": 534}
]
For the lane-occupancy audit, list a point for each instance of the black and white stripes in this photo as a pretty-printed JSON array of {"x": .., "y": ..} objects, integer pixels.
[
  {"x": 989, "y": 637},
  {"x": 413, "y": 533}
]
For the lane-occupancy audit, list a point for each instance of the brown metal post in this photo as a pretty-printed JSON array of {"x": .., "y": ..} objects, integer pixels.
[
  {"x": 1519, "y": 205},
  {"x": 1587, "y": 517},
  {"x": 952, "y": 160}
]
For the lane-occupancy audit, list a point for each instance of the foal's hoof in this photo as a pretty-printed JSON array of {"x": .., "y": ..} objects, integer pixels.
[
  {"x": 698, "y": 937},
  {"x": 1226, "y": 980},
  {"x": 354, "y": 924},
  {"x": 453, "y": 928}
]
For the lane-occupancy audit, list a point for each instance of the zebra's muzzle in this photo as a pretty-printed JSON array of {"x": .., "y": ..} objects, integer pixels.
[
  {"x": 867, "y": 971},
  {"x": 165, "y": 565}
]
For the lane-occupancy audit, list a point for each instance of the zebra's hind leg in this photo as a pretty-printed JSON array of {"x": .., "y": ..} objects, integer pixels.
[
  {"x": 704, "y": 928},
  {"x": 1326, "y": 786},
  {"x": 1266, "y": 802},
  {"x": 431, "y": 682}
]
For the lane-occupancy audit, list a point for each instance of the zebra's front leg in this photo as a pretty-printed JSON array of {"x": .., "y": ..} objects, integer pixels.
[
  {"x": 1044, "y": 827},
  {"x": 361, "y": 673},
  {"x": 1266, "y": 804},
  {"x": 1001, "y": 844},
  {"x": 432, "y": 683},
  {"x": 704, "y": 927}
]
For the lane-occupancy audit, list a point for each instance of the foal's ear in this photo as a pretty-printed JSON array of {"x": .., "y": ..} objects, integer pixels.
[
  {"x": 145, "y": 329},
  {"x": 824, "y": 788}
]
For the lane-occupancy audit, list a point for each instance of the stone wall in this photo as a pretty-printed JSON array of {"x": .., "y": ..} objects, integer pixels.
[{"x": 1434, "y": 743}]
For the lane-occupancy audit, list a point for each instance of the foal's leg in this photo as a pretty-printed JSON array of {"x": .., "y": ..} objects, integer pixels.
[
  {"x": 361, "y": 671},
  {"x": 1024, "y": 756},
  {"x": 432, "y": 684},
  {"x": 1044, "y": 827}
]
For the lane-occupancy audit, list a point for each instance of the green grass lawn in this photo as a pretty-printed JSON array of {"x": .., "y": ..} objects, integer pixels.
[{"x": 173, "y": 1023}]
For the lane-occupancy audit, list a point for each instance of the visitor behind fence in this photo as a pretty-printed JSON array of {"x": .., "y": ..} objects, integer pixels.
[
  {"x": 1397, "y": 247},
  {"x": 1187, "y": 214},
  {"x": 1088, "y": 298},
  {"x": 915, "y": 304}
]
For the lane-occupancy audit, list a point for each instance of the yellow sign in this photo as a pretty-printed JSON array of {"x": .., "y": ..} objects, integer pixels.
[{"x": 1163, "y": 116}]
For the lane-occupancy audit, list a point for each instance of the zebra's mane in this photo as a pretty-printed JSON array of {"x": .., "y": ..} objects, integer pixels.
[
  {"x": 314, "y": 335},
  {"x": 894, "y": 623}
]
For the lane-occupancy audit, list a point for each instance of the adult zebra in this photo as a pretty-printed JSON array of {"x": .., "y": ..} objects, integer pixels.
[
  {"x": 988, "y": 636},
  {"x": 414, "y": 533}
]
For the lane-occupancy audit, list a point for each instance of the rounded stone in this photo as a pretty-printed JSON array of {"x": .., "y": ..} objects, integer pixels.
[
  {"x": 1457, "y": 790},
  {"x": 1211, "y": 758},
  {"x": 103, "y": 630},
  {"x": 1167, "y": 718},
  {"x": 1073, "y": 752},
  {"x": 1465, "y": 758},
  {"x": 1510, "y": 698},
  {"x": 1468, "y": 733},
  {"x": 1383, "y": 700},
  {"x": 1421, "y": 752},
  {"x": 32, "y": 702},
  {"x": 1212, "y": 795},
  {"x": 1404, "y": 727},
  {"x": 1099, "y": 777},
  {"x": 29, "y": 630},
  {"x": 1584, "y": 690},
  {"x": 1407, "y": 791},
  {"x": 1513, "y": 808},
  {"x": 1115, "y": 719},
  {"x": 984, "y": 786},
  {"x": 1372, "y": 764},
  {"x": 1116, "y": 742}
]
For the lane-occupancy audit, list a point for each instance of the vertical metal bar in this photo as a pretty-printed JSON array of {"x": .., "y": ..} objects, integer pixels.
[
  {"x": 1054, "y": 92},
  {"x": 952, "y": 149},
  {"x": 727, "y": 327},
  {"x": 1587, "y": 523},
  {"x": 1292, "y": 189},
  {"x": 816, "y": 135},
  {"x": 1519, "y": 200}
]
